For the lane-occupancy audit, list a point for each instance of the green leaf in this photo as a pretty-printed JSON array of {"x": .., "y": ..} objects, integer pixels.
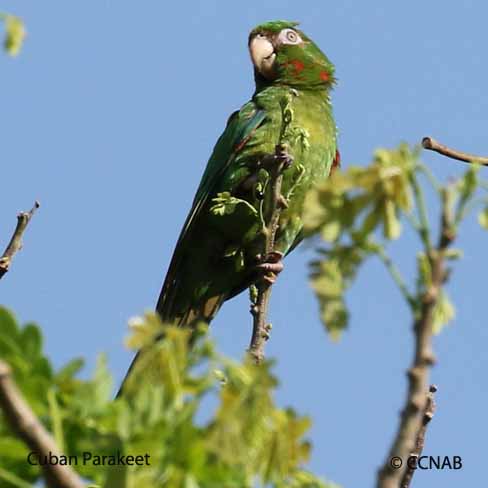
[
  {"x": 328, "y": 284},
  {"x": 13, "y": 449},
  {"x": 56, "y": 419},
  {"x": 369, "y": 224},
  {"x": 483, "y": 218},
  {"x": 15, "y": 34},
  {"x": 70, "y": 370},
  {"x": 145, "y": 330},
  {"x": 330, "y": 278},
  {"x": 469, "y": 182},
  {"x": 331, "y": 231},
  {"x": 453, "y": 254},
  {"x": 102, "y": 380},
  {"x": 391, "y": 225},
  {"x": 235, "y": 253},
  {"x": 303, "y": 479},
  {"x": 8, "y": 324},
  {"x": 31, "y": 341},
  {"x": 424, "y": 272},
  {"x": 13, "y": 480},
  {"x": 225, "y": 204},
  {"x": 443, "y": 312}
]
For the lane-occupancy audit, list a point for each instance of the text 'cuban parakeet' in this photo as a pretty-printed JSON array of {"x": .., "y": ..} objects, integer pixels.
[{"x": 215, "y": 256}]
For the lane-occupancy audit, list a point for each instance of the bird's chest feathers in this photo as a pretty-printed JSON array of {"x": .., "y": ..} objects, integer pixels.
[
  {"x": 310, "y": 135},
  {"x": 237, "y": 206}
]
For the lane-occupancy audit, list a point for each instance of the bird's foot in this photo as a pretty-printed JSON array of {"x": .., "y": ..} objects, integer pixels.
[
  {"x": 270, "y": 267},
  {"x": 280, "y": 159},
  {"x": 283, "y": 157}
]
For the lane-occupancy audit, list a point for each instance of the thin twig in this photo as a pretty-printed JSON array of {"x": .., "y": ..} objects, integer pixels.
[
  {"x": 413, "y": 221},
  {"x": 23, "y": 421},
  {"x": 422, "y": 209},
  {"x": 420, "y": 439},
  {"x": 390, "y": 475},
  {"x": 259, "y": 309},
  {"x": 396, "y": 275},
  {"x": 433, "y": 145},
  {"x": 430, "y": 176},
  {"x": 463, "y": 211},
  {"x": 15, "y": 244},
  {"x": 275, "y": 164}
]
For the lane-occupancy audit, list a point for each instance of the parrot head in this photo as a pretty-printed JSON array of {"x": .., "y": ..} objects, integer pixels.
[{"x": 283, "y": 55}]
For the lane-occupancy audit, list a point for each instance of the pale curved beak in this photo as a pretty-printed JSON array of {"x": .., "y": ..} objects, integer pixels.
[{"x": 263, "y": 56}]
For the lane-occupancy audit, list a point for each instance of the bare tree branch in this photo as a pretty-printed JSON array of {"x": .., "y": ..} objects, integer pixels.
[
  {"x": 22, "y": 420},
  {"x": 15, "y": 244},
  {"x": 420, "y": 440},
  {"x": 277, "y": 163},
  {"x": 433, "y": 145},
  {"x": 390, "y": 475}
]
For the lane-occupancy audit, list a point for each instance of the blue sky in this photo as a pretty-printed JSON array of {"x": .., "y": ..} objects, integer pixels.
[{"x": 108, "y": 117}]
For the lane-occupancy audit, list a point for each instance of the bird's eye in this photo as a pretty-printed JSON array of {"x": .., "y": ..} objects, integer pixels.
[{"x": 289, "y": 36}]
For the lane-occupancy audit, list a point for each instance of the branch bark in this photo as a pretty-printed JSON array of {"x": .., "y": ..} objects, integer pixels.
[
  {"x": 260, "y": 332},
  {"x": 420, "y": 439},
  {"x": 15, "y": 244},
  {"x": 390, "y": 475},
  {"x": 433, "y": 145},
  {"x": 23, "y": 421}
]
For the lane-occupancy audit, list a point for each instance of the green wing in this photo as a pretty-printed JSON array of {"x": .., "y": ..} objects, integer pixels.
[{"x": 239, "y": 130}]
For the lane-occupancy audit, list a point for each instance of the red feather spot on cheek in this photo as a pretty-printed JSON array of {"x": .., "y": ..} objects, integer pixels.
[
  {"x": 298, "y": 65},
  {"x": 324, "y": 76}
]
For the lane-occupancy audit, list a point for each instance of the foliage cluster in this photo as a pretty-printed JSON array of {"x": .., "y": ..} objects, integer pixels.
[
  {"x": 359, "y": 211},
  {"x": 247, "y": 442},
  {"x": 14, "y": 33}
]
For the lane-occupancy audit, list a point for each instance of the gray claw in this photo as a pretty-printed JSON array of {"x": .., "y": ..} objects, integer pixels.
[{"x": 271, "y": 267}]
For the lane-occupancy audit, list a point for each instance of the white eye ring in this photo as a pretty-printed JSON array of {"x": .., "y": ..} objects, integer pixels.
[{"x": 289, "y": 36}]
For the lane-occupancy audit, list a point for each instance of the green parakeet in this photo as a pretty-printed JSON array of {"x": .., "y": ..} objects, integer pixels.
[{"x": 215, "y": 256}]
